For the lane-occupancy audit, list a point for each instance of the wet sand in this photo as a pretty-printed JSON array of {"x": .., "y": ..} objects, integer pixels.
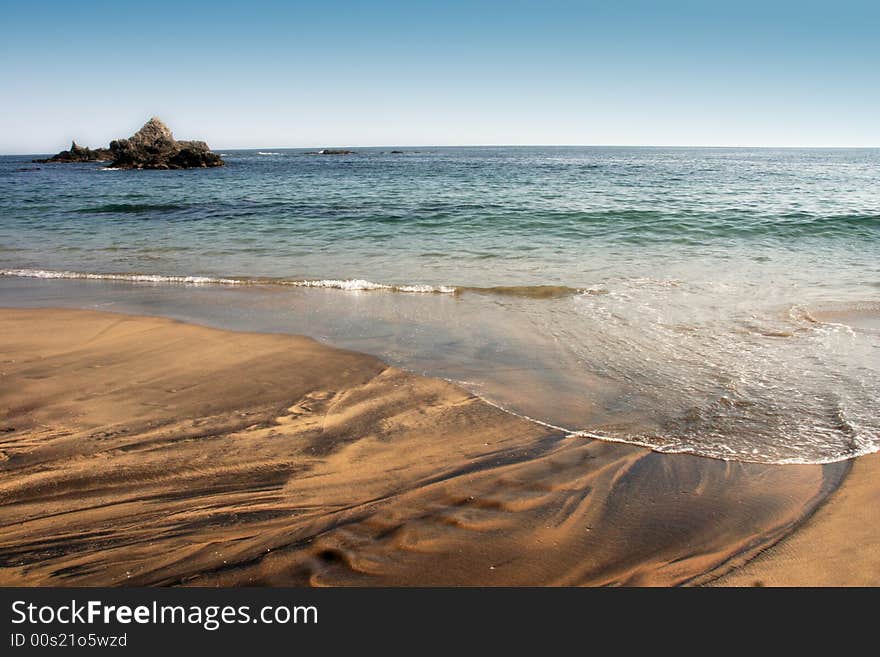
[
  {"x": 144, "y": 451},
  {"x": 838, "y": 546}
]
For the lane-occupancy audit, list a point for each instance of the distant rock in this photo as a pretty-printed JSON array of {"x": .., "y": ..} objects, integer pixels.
[
  {"x": 334, "y": 151},
  {"x": 154, "y": 147},
  {"x": 79, "y": 153},
  {"x": 151, "y": 147},
  {"x": 397, "y": 152}
]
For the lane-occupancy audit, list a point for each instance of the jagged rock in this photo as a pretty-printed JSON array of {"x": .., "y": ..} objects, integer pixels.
[
  {"x": 79, "y": 153},
  {"x": 151, "y": 147},
  {"x": 154, "y": 147}
]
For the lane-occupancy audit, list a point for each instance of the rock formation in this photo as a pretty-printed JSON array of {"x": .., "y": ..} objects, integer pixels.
[
  {"x": 151, "y": 147},
  {"x": 79, "y": 153},
  {"x": 154, "y": 147}
]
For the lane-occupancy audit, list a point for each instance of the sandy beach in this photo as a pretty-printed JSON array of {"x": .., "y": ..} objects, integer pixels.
[
  {"x": 144, "y": 451},
  {"x": 835, "y": 547}
]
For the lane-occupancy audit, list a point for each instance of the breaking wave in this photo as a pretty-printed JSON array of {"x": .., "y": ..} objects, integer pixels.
[
  {"x": 353, "y": 285},
  {"x": 346, "y": 284}
]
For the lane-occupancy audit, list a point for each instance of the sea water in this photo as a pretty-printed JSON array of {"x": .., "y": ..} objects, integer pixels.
[{"x": 721, "y": 302}]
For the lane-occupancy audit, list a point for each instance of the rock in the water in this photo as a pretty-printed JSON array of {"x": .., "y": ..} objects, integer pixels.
[
  {"x": 154, "y": 147},
  {"x": 79, "y": 153},
  {"x": 334, "y": 151}
]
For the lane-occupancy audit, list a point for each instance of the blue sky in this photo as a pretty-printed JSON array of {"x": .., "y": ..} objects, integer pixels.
[{"x": 263, "y": 74}]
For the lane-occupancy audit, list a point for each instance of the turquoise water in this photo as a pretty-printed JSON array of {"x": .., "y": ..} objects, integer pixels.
[{"x": 723, "y": 302}]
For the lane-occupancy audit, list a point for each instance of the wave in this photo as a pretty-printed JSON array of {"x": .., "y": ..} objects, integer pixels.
[
  {"x": 357, "y": 285},
  {"x": 125, "y": 208},
  {"x": 354, "y": 285},
  {"x": 268, "y": 153},
  {"x": 533, "y": 291},
  {"x": 345, "y": 284},
  {"x": 131, "y": 278}
]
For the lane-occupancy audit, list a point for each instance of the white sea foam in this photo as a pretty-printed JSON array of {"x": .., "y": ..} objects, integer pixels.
[
  {"x": 721, "y": 452},
  {"x": 357, "y": 284},
  {"x": 132, "y": 278},
  {"x": 351, "y": 285},
  {"x": 267, "y": 153}
]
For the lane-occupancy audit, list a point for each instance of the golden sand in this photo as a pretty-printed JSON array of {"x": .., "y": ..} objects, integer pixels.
[
  {"x": 838, "y": 546},
  {"x": 144, "y": 451}
]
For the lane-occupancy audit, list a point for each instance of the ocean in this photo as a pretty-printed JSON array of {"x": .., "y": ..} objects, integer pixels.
[{"x": 718, "y": 302}]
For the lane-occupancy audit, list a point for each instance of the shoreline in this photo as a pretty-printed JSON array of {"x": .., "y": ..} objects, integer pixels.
[{"x": 266, "y": 459}]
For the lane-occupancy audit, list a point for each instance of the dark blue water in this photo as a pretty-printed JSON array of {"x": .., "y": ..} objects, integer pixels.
[{"x": 717, "y": 301}]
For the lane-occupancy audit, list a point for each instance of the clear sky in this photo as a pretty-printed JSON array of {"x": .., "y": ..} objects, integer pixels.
[{"x": 328, "y": 73}]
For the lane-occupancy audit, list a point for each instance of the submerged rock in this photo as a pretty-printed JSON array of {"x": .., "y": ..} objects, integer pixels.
[
  {"x": 79, "y": 153},
  {"x": 334, "y": 151},
  {"x": 154, "y": 147}
]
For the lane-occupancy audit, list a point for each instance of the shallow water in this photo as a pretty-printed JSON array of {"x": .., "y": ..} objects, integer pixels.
[{"x": 723, "y": 302}]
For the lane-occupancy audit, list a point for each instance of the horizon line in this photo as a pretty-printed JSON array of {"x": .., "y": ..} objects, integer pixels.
[{"x": 396, "y": 146}]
